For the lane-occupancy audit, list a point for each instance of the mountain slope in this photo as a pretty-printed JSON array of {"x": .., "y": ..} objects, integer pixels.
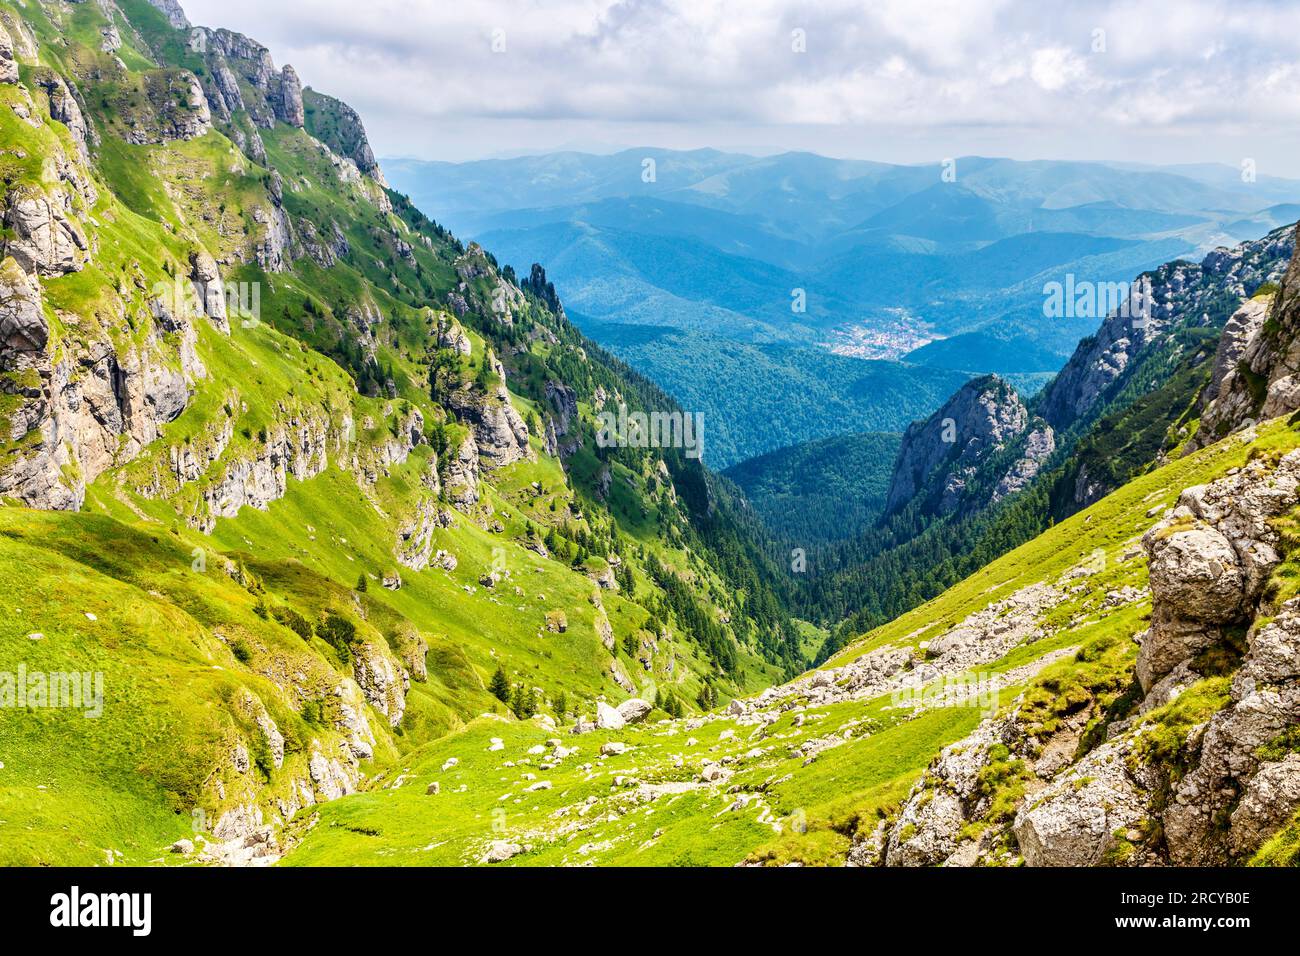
[
  {"x": 990, "y": 726},
  {"x": 307, "y": 481},
  {"x": 820, "y": 491}
]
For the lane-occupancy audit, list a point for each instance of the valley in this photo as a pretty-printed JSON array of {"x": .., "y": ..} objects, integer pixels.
[{"x": 338, "y": 516}]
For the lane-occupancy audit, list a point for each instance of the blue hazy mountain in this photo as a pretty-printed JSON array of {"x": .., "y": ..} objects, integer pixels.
[{"x": 731, "y": 278}]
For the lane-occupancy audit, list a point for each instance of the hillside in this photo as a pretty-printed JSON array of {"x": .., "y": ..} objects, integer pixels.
[
  {"x": 1041, "y": 711},
  {"x": 317, "y": 482},
  {"x": 820, "y": 491}
]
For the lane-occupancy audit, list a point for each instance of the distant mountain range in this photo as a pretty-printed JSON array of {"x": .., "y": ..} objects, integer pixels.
[{"x": 730, "y": 278}]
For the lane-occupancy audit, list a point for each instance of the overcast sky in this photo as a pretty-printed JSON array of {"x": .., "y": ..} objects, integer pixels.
[{"x": 1162, "y": 81}]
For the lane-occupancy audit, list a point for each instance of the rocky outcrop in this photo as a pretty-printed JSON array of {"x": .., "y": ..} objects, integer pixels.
[
  {"x": 178, "y": 110},
  {"x": 8, "y": 63},
  {"x": 1210, "y": 559},
  {"x": 171, "y": 9},
  {"x": 269, "y": 95},
  {"x": 295, "y": 447},
  {"x": 209, "y": 290},
  {"x": 41, "y": 234},
  {"x": 92, "y": 406},
  {"x": 563, "y": 423},
  {"x": 499, "y": 430},
  {"x": 63, "y": 107},
  {"x": 338, "y": 126},
  {"x": 1237, "y": 794},
  {"x": 451, "y": 335},
  {"x": 939, "y": 456},
  {"x": 1258, "y": 365},
  {"x": 463, "y": 475},
  {"x": 1039, "y": 445},
  {"x": 1176, "y": 295},
  {"x": 1090, "y": 815},
  {"x": 415, "y": 536},
  {"x": 288, "y": 98},
  {"x": 373, "y": 459},
  {"x": 381, "y": 680}
]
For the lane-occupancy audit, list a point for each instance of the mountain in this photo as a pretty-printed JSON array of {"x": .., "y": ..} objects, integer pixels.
[
  {"x": 1118, "y": 691},
  {"x": 1088, "y": 699},
  {"x": 705, "y": 253},
  {"x": 293, "y": 480},
  {"x": 325, "y": 540},
  {"x": 939, "y": 457},
  {"x": 1126, "y": 401}
]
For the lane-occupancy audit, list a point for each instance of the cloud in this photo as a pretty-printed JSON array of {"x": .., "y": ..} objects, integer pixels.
[{"x": 681, "y": 65}]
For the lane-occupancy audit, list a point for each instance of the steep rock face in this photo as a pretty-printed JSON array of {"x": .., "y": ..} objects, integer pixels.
[
  {"x": 42, "y": 234},
  {"x": 267, "y": 94},
  {"x": 381, "y": 679},
  {"x": 62, "y": 106},
  {"x": 8, "y": 64},
  {"x": 288, "y": 99},
  {"x": 1233, "y": 797},
  {"x": 562, "y": 425},
  {"x": 338, "y": 126},
  {"x": 451, "y": 335},
  {"x": 463, "y": 475},
  {"x": 89, "y": 406},
  {"x": 1039, "y": 445},
  {"x": 499, "y": 430},
  {"x": 1178, "y": 294},
  {"x": 1210, "y": 559},
  {"x": 940, "y": 455},
  {"x": 209, "y": 290},
  {"x": 1237, "y": 336},
  {"x": 295, "y": 448},
  {"x": 1259, "y": 379},
  {"x": 171, "y": 9}
]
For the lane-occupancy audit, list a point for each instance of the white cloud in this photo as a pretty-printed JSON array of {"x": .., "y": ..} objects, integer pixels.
[{"x": 709, "y": 68}]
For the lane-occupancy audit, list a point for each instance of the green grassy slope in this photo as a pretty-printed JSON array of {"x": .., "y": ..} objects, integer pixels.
[
  {"x": 281, "y": 615},
  {"x": 648, "y": 806}
]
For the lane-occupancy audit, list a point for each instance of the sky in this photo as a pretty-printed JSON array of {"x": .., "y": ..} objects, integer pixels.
[{"x": 1158, "y": 81}]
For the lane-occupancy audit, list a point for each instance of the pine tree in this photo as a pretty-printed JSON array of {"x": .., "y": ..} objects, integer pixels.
[
  {"x": 500, "y": 685},
  {"x": 362, "y": 584}
]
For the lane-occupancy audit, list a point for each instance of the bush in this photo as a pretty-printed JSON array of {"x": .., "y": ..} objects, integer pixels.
[
  {"x": 340, "y": 633},
  {"x": 293, "y": 621}
]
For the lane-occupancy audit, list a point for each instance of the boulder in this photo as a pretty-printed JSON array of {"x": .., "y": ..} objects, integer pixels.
[
  {"x": 1080, "y": 818},
  {"x": 607, "y": 718},
  {"x": 634, "y": 709},
  {"x": 499, "y": 851}
]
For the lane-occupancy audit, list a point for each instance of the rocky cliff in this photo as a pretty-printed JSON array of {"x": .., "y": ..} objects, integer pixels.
[
  {"x": 1175, "y": 296},
  {"x": 939, "y": 457},
  {"x": 1257, "y": 362}
]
